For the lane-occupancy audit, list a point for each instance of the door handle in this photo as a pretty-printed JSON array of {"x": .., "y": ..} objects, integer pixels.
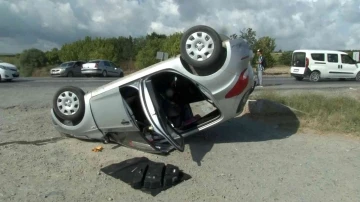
[{"x": 125, "y": 122}]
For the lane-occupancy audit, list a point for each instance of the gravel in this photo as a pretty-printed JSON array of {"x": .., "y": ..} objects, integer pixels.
[{"x": 240, "y": 160}]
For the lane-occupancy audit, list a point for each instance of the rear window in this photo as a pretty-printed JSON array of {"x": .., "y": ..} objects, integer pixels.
[
  {"x": 318, "y": 56},
  {"x": 298, "y": 59}
]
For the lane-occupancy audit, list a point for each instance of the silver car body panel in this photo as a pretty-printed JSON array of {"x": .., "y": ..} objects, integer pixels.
[
  {"x": 105, "y": 107},
  {"x": 86, "y": 129},
  {"x": 111, "y": 68}
]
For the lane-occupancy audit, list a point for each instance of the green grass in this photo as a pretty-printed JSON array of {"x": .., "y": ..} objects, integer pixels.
[{"x": 320, "y": 112}]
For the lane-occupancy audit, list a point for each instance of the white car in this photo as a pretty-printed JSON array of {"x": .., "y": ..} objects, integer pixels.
[
  {"x": 8, "y": 71},
  {"x": 323, "y": 64}
]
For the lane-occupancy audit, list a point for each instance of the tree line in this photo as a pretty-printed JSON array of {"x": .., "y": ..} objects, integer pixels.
[{"x": 141, "y": 51}]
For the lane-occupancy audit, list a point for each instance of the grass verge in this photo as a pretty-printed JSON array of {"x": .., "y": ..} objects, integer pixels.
[
  {"x": 277, "y": 70},
  {"x": 320, "y": 112}
]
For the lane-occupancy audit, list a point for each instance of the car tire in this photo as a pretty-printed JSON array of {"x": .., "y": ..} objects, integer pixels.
[
  {"x": 121, "y": 74},
  {"x": 192, "y": 45},
  {"x": 357, "y": 78},
  {"x": 69, "y": 104},
  {"x": 104, "y": 74},
  {"x": 299, "y": 78},
  {"x": 70, "y": 74},
  {"x": 315, "y": 76}
]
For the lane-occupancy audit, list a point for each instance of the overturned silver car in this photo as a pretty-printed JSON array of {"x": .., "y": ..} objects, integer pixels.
[{"x": 151, "y": 109}]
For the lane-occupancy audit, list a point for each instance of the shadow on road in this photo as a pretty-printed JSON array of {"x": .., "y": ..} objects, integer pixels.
[
  {"x": 263, "y": 121},
  {"x": 36, "y": 142}
]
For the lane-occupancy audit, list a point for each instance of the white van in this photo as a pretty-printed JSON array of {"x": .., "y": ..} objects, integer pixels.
[{"x": 323, "y": 64}]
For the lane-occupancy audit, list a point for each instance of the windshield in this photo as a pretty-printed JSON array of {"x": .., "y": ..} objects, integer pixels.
[{"x": 66, "y": 64}]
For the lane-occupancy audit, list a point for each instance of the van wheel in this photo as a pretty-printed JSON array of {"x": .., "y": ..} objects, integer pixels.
[
  {"x": 357, "y": 78},
  {"x": 299, "y": 78},
  {"x": 315, "y": 76},
  {"x": 69, "y": 104},
  {"x": 201, "y": 46}
]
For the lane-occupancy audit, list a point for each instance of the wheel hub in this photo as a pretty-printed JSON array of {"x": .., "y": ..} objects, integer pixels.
[
  {"x": 199, "y": 46},
  {"x": 68, "y": 103}
]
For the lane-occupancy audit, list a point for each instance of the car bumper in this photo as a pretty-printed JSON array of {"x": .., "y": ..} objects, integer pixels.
[
  {"x": 305, "y": 73},
  {"x": 58, "y": 73},
  {"x": 91, "y": 71},
  {"x": 9, "y": 75}
]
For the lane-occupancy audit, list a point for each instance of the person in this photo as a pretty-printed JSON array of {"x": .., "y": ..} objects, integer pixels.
[{"x": 260, "y": 67}]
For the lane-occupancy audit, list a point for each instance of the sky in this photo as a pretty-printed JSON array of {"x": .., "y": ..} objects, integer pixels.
[{"x": 295, "y": 24}]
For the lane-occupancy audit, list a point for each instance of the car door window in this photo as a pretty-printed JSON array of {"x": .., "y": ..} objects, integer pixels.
[
  {"x": 318, "y": 56},
  {"x": 332, "y": 58},
  {"x": 107, "y": 64},
  {"x": 346, "y": 59},
  {"x": 113, "y": 65}
]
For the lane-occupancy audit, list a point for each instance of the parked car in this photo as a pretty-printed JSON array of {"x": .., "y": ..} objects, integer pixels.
[
  {"x": 8, "y": 71},
  {"x": 323, "y": 64},
  {"x": 151, "y": 109},
  {"x": 69, "y": 69},
  {"x": 101, "y": 67}
]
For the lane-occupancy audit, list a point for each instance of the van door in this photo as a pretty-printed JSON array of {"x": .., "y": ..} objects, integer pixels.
[
  {"x": 348, "y": 66},
  {"x": 151, "y": 102},
  {"x": 298, "y": 64},
  {"x": 334, "y": 65}
]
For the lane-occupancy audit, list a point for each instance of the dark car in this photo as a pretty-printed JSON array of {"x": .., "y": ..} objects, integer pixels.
[{"x": 69, "y": 69}]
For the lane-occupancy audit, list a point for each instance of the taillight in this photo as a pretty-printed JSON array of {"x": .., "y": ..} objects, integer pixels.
[
  {"x": 306, "y": 62},
  {"x": 240, "y": 85}
]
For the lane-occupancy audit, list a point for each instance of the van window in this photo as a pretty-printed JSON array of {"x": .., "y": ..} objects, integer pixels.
[
  {"x": 298, "y": 59},
  {"x": 318, "y": 56},
  {"x": 333, "y": 58},
  {"x": 346, "y": 59}
]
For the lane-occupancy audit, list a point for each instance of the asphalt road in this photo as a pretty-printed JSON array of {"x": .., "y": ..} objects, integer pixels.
[{"x": 269, "y": 82}]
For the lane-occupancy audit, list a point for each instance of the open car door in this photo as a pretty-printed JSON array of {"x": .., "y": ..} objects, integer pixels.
[{"x": 151, "y": 103}]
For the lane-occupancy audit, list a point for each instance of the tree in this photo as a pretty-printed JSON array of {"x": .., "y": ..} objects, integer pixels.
[
  {"x": 285, "y": 58},
  {"x": 267, "y": 45},
  {"x": 30, "y": 59},
  {"x": 147, "y": 55},
  {"x": 171, "y": 44},
  {"x": 249, "y": 35},
  {"x": 53, "y": 56}
]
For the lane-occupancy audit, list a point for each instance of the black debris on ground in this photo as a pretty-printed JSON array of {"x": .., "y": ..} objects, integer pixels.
[{"x": 145, "y": 175}]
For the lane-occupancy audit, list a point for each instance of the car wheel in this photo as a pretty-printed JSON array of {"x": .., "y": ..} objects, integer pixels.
[
  {"x": 104, "y": 74},
  {"x": 315, "y": 76},
  {"x": 121, "y": 74},
  {"x": 357, "y": 78},
  {"x": 299, "y": 78},
  {"x": 69, "y": 104},
  {"x": 0, "y": 78},
  {"x": 70, "y": 74},
  {"x": 200, "y": 46}
]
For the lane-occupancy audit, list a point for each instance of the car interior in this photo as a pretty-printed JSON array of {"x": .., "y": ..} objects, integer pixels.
[{"x": 172, "y": 95}]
